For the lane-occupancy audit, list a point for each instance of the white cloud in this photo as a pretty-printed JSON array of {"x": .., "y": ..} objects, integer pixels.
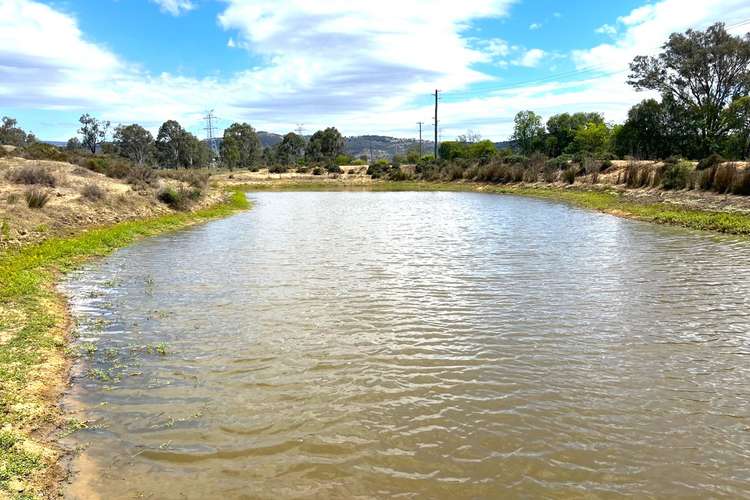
[
  {"x": 645, "y": 29},
  {"x": 175, "y": 7},
  {"x": 495, "y": 47},
  {"x": 535, "y": 26},
  {"x": 358, "y": 67},
  {"x": 606, "y": 29},
  {"x": 531, "y": 58}
]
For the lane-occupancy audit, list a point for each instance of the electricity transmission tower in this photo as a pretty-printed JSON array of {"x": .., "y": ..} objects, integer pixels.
[
  {"x": 300, "y": 129},
  {"x": 210, "y": 117}
]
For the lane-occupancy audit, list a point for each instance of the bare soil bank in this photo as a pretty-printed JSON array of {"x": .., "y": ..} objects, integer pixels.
[{"x": 68, "y": 210}]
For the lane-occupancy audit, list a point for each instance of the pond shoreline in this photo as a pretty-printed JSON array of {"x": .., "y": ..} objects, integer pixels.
[
  {"x": 703, "y": 212},
  {"x": 35, "y": 358}
]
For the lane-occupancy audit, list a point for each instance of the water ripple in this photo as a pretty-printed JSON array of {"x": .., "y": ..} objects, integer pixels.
[{"x": 417, "y": 345}]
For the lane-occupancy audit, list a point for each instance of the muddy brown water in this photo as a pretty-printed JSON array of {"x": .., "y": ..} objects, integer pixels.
[{"x": 419, "y": 345}]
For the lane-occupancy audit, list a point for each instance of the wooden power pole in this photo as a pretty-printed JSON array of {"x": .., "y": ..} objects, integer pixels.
[
  {"x": 437, "y": 92},
  {"x": 420, "y": 138}
]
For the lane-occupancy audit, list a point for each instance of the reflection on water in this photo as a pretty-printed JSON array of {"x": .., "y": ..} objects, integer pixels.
[{"x": 415, "y": 344}]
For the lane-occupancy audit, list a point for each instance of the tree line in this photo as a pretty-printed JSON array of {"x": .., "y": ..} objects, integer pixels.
[{"x": 703, "y": 79}]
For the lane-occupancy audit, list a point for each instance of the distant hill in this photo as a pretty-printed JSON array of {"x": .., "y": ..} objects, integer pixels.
[{"x": 381, "y": 146}]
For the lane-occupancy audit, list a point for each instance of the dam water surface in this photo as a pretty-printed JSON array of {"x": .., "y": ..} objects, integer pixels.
[{"x": 419, "y": 345}]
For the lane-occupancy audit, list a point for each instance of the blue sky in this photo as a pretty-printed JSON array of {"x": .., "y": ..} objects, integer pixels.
[{"x": 365, "y": 67}]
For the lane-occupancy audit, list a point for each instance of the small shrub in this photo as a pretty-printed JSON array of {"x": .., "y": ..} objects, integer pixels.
[
  {"x": 397, "y": 174},
  {"x": 676, "y": 176},
  {"x": 672, "y": 160},
  {"x": 140, "y": 176},
  {"x": 549, "y": 174},
  {"x": 93, "y": 192},
  {"x": 606, "y": 164},
  {"x": 194, "y": 178},
  {"x": 97, "y": 164},
  {"x": 378, "y": 169},
  {"x": 277, "y": 169},
  {"x": 724, "y": 179},
  {"x": 12, "y": 198},
  {"x": 713, "y": 160},
  {"x": 608, "y": 156},
  {"x": 516, "y": 172},
  {"x": 516, "y": 159},
  {"x": 36, "y": 198},
  {"x": 333, "y": 169},
  {"x": 317, "y": 171},
  {"x": 561, "y": 162},
  {"x": 178, "y": 199},
  {"x": 33, "y": 175},
  {"x": 637, "y": 176},
  {"x": 530, "y": 175},
  {"x": 452, "y": 173},
  {"x": 569, "y": 174},
  {"x": 742, "y": 183},
  {"x": 706, "y": 180}
]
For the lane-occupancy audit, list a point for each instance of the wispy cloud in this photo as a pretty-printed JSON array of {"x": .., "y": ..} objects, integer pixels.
[
  {"x": 606, "y": 29},
  {"x": 531, "y": 58},
  {"x": 175, "y": 7}
]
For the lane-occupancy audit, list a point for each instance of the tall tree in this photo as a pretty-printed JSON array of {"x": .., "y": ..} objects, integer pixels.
[
  {"x": 241, "y": 147},
  {"x": 562, "y": 129},
  {"x": 739, "y": 121},
  {"x": 93, "y": 132},
  {"x": 290, "y": 149},
  {"x": 73, "y": 144},
  {"x": 193, "y": 152},
  {"x": 644, "y": 134},
  {"x": 168, "y": 143},
  {"x": 528, "y": 131},
  {"x": 11, "y": 134},
  {"x": 702, "y": 71},
  {"x": 325, "y": 146},
  {"x": 134, "y": 142},
  {"x": 593, "y": 138}
]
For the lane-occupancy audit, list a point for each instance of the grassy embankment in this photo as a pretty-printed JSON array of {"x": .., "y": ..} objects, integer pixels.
[
  {"x": 33, "y": 339},
  {"x": 608, "y": 201}
]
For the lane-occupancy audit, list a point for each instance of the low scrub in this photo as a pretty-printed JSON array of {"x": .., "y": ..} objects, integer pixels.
[
  {"x": 42, "y": 151},
  {"x": 676, "y": 176},
  {"x": 93, "y": 192},
  {"x": 195, "y": 178},
  {"x": 724, "y": 179},
  {"x": 713, "y": 160},
  {"x": 178, "y": 199},
  {"x": 36, "y": 198},
  {"x": 637, "y": 176},
  {"x": 569, "y": 174},
  {"x": 32, "y": 175},
  {"x": 742, "y": 183},
  {"x": 278, "y": 169}
]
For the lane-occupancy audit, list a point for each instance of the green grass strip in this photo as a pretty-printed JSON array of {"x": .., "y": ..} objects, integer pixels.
[{"x": 27, "y": 278}]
